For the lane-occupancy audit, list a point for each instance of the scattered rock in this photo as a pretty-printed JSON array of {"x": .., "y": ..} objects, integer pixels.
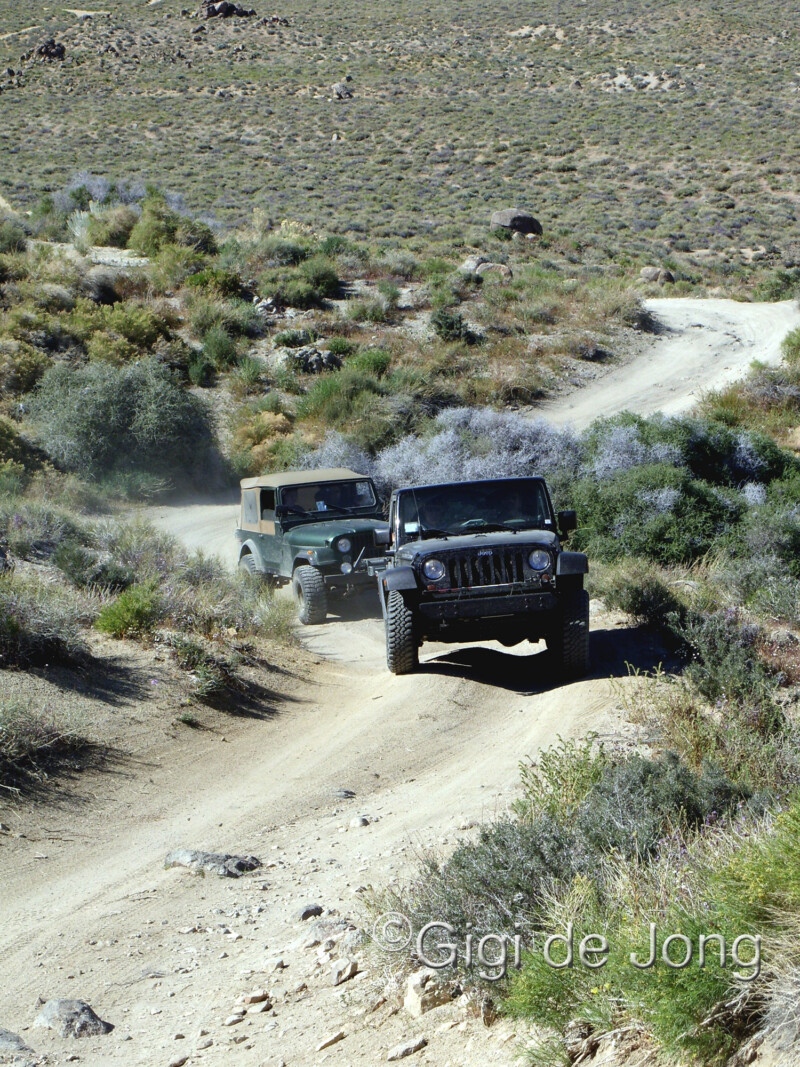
[
  {"x": 178, "y": 1061},
  {"x": 341, "y": 90},
  {"x": 216, "y": 862},
  {"x": 309, "y": 911},
  {"x": 235, "y": 1019},
  {"x": 501, "y": 269},
  {"x": 205, "y": 1042},
  {"x": 273, "y": 965},
  {"x": 344, "y": 794},
  {"x": 656, "y": 274},
  {"x": 408, "y": 1048},
  {"x": 258, "y": 997},
  {"x": 512, "y": 218},
  {"x": 424, "y": 991},
  {"x": 224, "y": 9},
  {"x": 471, "y": 263},
  {"x": 359, "y": 820},
  {"x": 71, "y": 1018},
  {"x": 343, "y": 970},
  {"x": 50, "y": 51},
  {"x": 309, "y": 359},
  {"x": 12, "y": 1045},
  {"x": 332, "y": 1040}
]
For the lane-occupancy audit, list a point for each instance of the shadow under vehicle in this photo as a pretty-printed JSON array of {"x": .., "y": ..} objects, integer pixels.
[
  {"x": 316, "y": 529},
  {"x": 477, "y": 561}
]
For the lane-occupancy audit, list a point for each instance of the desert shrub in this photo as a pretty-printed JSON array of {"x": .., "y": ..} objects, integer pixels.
[
  {"x": 790, "y": 347},
  {"x": 295, "y": 338},
  {"x": 156, "y": 226},
  {"x": 219, "y": 348},
  {"x": 224, "y": 283},
  {"x": 473, "y": 443},
  {"x": 137, "y": 323},
  {"x": 112, "y": 225},
  {"x": 655, "y": 511},
  {"x": 375, "y": 361},
  {"x": 724, "y": 665},
  {"x": 780, "y": 285},
  {"x": 502, "y": 881},
  {"x": 39, "y": 624},
  {"x": 21, "y": 366},
  {"x": 85, "y": 567},
  {"x": 12, "y": 236},
  {"x": 15, "y": 449},
  {"x": 333, "y": 397},
  {"x": 173, "y": 265},
  {"x": 641, "y": 590},
  {"x": 321, "y": 275},
  {"x": 192, "y": 233},
  {"x": 337, "y": 450},
  {"x": 372, "y": 309},
  {"x": 450, "y": 326},
  {"x": 134, "y": 612},
  {"x": 340, "y": 346},
  {"x": 101, "y": 421},
  {"x": 31, "y": 740},
  {"x": 247, "y": 376}
]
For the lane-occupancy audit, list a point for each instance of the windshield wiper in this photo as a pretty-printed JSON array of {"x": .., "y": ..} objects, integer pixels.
[
  {"x": 481, "y": 525},
  {"x": 331, "y": 507}
]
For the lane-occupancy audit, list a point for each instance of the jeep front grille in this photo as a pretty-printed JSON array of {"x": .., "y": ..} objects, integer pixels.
[
  {"x": 484, "y": 567},
  {"x": 363, "y": 539}
]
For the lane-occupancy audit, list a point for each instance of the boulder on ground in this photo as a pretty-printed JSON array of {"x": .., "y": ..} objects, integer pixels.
[
  {"x": 471, "y": 263},
  {"x": 341, "y": 90},
  {"x": 215, "y": 862},
  {"x": 511, "y": 218},
  {"x": 502, "y": 270},
  {"x": 13, "y": 1049},
  {"x": 71, "y": 1018},
  {"x": 425, "y": 990}
]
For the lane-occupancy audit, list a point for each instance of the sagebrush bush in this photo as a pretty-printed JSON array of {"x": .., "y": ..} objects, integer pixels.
[
  {"x": 31, "y": 740},
  {"x": 40, "y": 624},
  {"x": 100, "y": 420},
  {"x": 641, "y": 590}
]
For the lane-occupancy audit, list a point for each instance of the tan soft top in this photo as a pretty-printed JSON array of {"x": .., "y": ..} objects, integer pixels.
[{"x": 275, "y": 481}]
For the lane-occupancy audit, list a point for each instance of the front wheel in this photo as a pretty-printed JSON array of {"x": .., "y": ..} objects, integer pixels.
[
  {"x": 402, "y": 652},
  {"x": 310, "y": 596},
  {"x": 569, "y": 639}
]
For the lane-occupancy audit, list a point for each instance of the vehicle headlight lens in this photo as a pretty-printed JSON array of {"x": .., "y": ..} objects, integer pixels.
[
  {"x": 344, "y": 544},
  {"x": 433, "y": 569},
  {"x": 539, "y": 559}
]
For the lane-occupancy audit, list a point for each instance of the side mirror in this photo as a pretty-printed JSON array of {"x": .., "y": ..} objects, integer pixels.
[
  {"x": 281, "y": 511},
  {"x": 382, "y": 536},
  {"x": 567, "y": 521}
]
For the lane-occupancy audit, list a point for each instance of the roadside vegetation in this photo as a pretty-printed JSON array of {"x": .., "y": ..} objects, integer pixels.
[{"x": 213, "y": 355}]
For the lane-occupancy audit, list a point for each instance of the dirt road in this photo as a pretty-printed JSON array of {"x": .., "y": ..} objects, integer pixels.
[
  {"x": 88, "y": 910},
  {"x": 703, "y": 345}
]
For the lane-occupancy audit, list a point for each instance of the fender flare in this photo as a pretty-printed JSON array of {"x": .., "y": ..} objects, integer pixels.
[
  {"x": 249, "y": 547},
  {"x": 572, "y": 563}
]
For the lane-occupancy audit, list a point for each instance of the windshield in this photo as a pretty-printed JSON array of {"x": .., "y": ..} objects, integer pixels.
[
  {"x": 516, "y": 504},
  {"x": 337, "y": 498}
]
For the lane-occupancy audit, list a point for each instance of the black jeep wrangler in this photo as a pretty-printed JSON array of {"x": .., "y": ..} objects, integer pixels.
[
  {"x": 316, "y": 529},
  {"x": 476, "y": 561}
]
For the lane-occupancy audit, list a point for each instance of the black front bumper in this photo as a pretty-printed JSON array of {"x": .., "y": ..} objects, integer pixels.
[
  {"x": 337, "y": 580},
  {"x": 487, "y": 607}
]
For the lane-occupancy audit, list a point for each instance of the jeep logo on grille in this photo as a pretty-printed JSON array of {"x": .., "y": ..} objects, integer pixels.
[{"x": 484, "y": 552}]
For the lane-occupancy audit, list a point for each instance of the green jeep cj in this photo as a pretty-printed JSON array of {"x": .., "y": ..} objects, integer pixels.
[
  {"x": 315, "y": 529},
  {"x": 477, "y": 561}
]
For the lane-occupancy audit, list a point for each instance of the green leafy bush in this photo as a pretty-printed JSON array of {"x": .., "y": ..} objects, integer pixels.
[
  {"x": 450, "y": 326},
  {"x": 12, "y": 236},
  {"x": 219, "y": 348},
  {"x": 134, "y": 612}
]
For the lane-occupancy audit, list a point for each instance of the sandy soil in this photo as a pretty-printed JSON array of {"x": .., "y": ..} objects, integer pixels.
[
  {"x": 703, "y": 345},
  {"x": 89, "y": 911}
]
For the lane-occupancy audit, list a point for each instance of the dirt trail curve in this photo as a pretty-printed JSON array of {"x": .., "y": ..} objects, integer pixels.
[
  {"x": 704, "y": 344},
  {"x": 87, "y": 909}
]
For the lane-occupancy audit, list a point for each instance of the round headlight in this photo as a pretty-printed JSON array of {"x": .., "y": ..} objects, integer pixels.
[
  {"x": 344, "y": 544},
  {"x": 539, "y": 559},
  {"x": 433, "y": 569}
]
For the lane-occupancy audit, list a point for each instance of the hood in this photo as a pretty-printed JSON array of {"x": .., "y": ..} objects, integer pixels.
[
  {"x": 318, "y": 534},
  {"x": 523, "y": 539}
]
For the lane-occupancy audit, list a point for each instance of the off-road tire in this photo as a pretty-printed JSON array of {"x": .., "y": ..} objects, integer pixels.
[
  {"x": 248, "y": 565},
  {"x": 402, "y": 650},
  {"x": 568, "y": 641},
  {"x": 308, "y": 587}
]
